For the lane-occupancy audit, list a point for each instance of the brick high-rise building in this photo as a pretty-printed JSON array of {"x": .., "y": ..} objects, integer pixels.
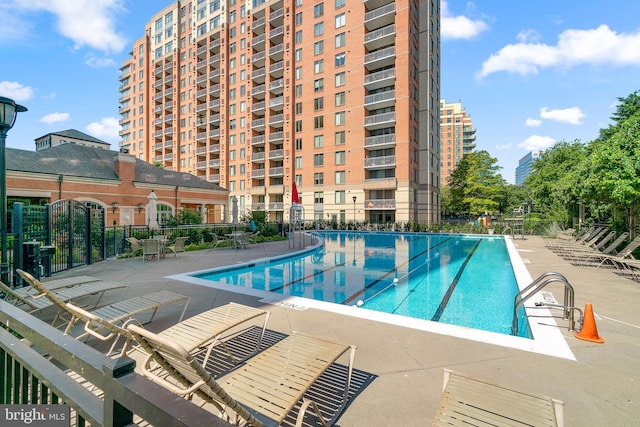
[
  {"x": 457, "y": 137},
  {"x": 339, "y": 97}
]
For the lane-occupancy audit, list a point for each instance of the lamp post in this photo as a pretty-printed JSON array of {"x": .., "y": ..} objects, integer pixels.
[
  {"x": 8, "y": 113},
  {"x": 354, "y": 209}
]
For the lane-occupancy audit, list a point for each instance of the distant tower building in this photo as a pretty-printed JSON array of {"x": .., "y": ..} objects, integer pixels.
[
  {"x": 340, "y": 97},
  {"x": 524, "y": 166},
  {"x": 457, "y": 137}
]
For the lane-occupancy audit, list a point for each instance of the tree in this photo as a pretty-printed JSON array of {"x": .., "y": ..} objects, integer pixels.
[
  {"x": 475, "y": 185},
  {"x": 553, "y": 183},
  {"x": 628, "y": 107},
  {"x": 185, "y": 217},
  {"x": 612, "y": 170}
]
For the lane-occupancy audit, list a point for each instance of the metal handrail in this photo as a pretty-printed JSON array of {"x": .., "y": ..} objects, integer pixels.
[{"x": 537, "y": 285}]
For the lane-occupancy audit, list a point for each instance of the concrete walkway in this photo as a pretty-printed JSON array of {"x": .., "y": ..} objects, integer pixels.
[{"x": 601, "y": 387}]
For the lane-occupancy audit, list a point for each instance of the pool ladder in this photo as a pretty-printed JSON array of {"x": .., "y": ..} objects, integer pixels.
[{"x": 535, "y": 287}]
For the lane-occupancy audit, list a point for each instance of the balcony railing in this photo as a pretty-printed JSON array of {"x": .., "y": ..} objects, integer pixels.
[
  {"x": 378, "y": 204},
  {"x": 380, "y": 162}
]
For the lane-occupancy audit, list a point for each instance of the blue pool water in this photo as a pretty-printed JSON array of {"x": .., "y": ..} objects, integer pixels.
[{"x": 464, "y": 280}]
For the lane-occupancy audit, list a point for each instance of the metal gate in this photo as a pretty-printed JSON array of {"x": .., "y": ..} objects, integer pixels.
[{"x": 77, "y": 231}]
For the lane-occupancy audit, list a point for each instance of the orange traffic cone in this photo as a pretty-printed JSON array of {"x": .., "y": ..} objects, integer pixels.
[{"x": 589, "y": 332}]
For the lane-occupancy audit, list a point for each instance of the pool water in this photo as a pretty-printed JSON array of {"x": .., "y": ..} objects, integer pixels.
[{"x": 464, "y": 280}]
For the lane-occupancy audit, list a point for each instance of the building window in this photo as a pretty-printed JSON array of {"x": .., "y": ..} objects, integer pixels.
[
  {"x": 318, "y": 47},
  {"x": 318, "y": 85},
  {"x": 340, "y": 177},
  {"x": 299, "y": 18},
  {"x": 298, "y": 108},
  {"x": 318, "y": 122},
  {"x": 340, "y": 117},
  {"x": 299, "y": 54},
  {"x": 318, "y": 104},
  {"x": 318, "y": 29},
  {"x": 298, "y": 36},
  {"x": 318, "y": 66},
  {"x": 340, "y": 99},
  {"x": 299, "y": 91},
  {"x": 298, "y": 164},
  {"x": 318, "y": 159},
  {"x": 341, "y": 40},
  {"x": 318, "y": 178},
  {"x": 340, "y": 20},
  {"x": 340, "y": 79},
  {"x": 340, "y": 138},
  {"x": 318, "y": 141},
  {"x": 340, "y": 157},
  {"x": 340, "y": 197},
  {"x": 340, "y": 59},
  {"x": 318, "y": 10},
  {"x": 340, "y": 3},
  {"x": 298, "y": 126}
]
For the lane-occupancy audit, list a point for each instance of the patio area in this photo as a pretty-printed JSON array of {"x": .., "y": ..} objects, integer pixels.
[{"x": 600, "y": 387}]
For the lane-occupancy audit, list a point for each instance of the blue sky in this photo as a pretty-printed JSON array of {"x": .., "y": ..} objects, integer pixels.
[{"x": 529, "y": 73}]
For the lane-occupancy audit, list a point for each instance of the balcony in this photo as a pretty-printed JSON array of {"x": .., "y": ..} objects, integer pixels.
[
  {"x": 258, "y": 157},
  {"x": 258, "y": 42},
  {"x": 276, "y": 87},
  {"x": 277, "y": 171},
  {"x": 214, "y": 163},
  {"x": 276, "y": 70},
  {"x": 257, "y": 140},
  {"x": 381, "y": 162},
  {"x": 379, "y": 121},
  {"x": 214, "y": 105},
  {"x": 380, "y": 100},
  {"x": 258, "y": 124},
  {"x": 258, "y": 75},
  {"x": 214, "y": 90},
  {"x": 380, "y": 204},
  {"x": 380, "y": 79},
  {"x": 157, "y": 134},
  {"x": 380, "y": 142},
  {"x": 275, "y": 15},
  {"x": 276, "y": 52},
  {"x": 214, "y": 133},
  {"x": 214, "y": 119},
  {"x": 168, "y": 131},
  {"x": 276, "y": 137},
  {"x": 380, "y": 183},
  {"x": 276, "y": 206},
  {"x": 201, "y": 165},
  {"x": 381, "y": 37},
  {"x": 380, "y": 58},
  {"x": 214, "y": 76},
  {"x": 257, "y": 206},
  {"x": 257, "y": 173},
  {"x": 257, "y": 26},
  {"x": 380, "y": 17},
  {"x": 201, "y": 94},
  {"x": 257, "y": 106},
  {"x": 214, "y": 60},
  {"x": 202, "y": 136},
  {"x": 258, "y": 91},
  {"x": 276, "y": 154},
  {"x": 215, "y": 178},
  {"x": 276, "y": 102},
  {"x": 168, "y": 144},
  {"x": 201, "y": 151},
  {"x": 277, "y": 120},
  {"x": 258, "y": 58},
  {"x": 214, "y": 148},
  {"x": 201, "y": 107}
]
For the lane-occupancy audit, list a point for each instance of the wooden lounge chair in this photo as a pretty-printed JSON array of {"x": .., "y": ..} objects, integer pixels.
[
  {"x": 136, "y": 245},
  {"x": 117, "y": 312},
  {"x": 206, "y": 329},
  {"x": 263, "y": 391},
  {"x": 87, "y": 289},
  {"x": 177, "y": 245},
  {"x": 469, "y": 401}
]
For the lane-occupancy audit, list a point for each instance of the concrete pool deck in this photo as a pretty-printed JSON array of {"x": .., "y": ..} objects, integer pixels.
[{"x": 599, "y": 387}]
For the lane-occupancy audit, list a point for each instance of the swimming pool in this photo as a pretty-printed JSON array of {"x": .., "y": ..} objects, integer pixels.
[{"x": 463, "y": 280}]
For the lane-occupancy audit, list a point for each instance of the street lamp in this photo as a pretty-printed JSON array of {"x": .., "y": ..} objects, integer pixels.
[
  {"x": 354, "y": 209},
  {"x": 8, "y": 113}
]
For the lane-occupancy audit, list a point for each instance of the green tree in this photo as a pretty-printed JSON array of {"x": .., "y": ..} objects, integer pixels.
[
  {"x": 475, "y": 185},
  {"x": 553, "y": 183},
  {"x": 626, "y": 108},
  {"x": 185, "y": 217},
  {"x": 612, "y": 170}
]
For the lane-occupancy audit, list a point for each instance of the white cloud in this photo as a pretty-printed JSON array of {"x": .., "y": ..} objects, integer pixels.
[
  {"x": 55, "y": 118},
  {"x": 16, "y": 91},
  {"x": 108, "y": 129},
  {"x": 537, "y": 142},
  {"x": 504, "y": 146},
  {"x": 85, "y": 22},
  {"x": 533, "y": 122},
  {"x": 459, "y": 27},
  {"x": 95, "y": 62},
  {"x": 574, "y": 47},
  {"x": 525, "y": 36},
  {"x": 573, "y": 115}
]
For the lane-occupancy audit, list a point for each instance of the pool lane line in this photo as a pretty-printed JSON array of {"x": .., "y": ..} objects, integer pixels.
[
  {"x": 453, "y": 284},
  {"x": 388, "y": 273},
  {"x": 309, "y": 276}
]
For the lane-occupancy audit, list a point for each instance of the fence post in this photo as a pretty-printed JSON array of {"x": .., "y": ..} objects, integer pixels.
[{"x": 16, "y": 227}]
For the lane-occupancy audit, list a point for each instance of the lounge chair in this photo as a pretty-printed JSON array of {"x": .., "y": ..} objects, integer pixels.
[
  {"x": 136, "y": 245},
  {"x": 151, "y": 248},
  {"x": 469, "y": 401},
  {"x": 114, "y": 313},
  {"x": 600, "y": 259},
  {"x": 206, "y": 329},
  {"x": 177, "y": 245},
  {"x": 217, "y": 240},
  {"x": 263, "y": 391},
  {"x": 578, "y": 253},
  {"x": 87, "y": 289}
]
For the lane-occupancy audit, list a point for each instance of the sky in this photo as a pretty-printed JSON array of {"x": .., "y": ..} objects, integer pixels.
[{"x": 529, "y": 73}]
